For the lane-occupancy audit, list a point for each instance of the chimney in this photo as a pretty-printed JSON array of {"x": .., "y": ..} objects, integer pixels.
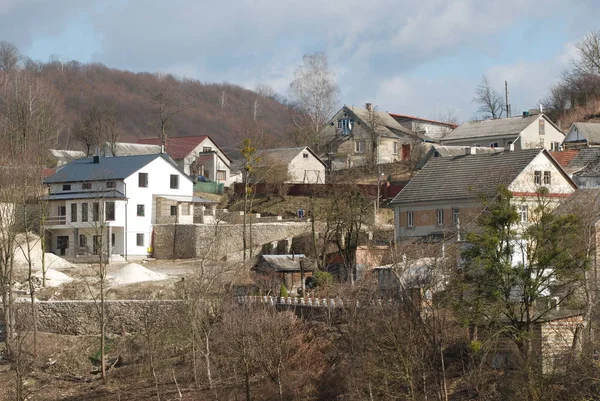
[
  {"x": 96, "y": 159},
  {"x": 510, "y": 147},
  {"x": 369, "y": 106},
  {"x": 469, "y": 150}
]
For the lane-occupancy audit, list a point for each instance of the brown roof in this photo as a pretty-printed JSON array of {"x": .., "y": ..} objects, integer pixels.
[
  {"x": 177, "y": 147},
  {"x": 564, "y": 158}
]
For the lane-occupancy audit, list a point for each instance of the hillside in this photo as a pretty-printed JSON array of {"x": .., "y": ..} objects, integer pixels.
[{"x": 222, "y": 111}]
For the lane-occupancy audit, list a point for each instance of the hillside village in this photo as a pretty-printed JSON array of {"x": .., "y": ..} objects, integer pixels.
[{"x": 374, "y": 255}]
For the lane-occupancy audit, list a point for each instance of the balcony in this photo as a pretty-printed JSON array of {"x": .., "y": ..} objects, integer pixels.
[{"x": 56, "y": 221}]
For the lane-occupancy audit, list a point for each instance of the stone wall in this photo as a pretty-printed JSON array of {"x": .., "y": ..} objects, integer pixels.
[
  {"x": 82, "y": 318},
  {"x": 221, "y": 241}
]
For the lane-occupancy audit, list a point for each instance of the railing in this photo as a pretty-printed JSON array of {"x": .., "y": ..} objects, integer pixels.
[
  {"x": 310, "y": 301},
  {"x": 56, "y": 220}
]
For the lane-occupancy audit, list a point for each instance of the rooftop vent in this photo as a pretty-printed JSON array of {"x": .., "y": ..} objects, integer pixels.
[{"x": 96, "y": 159}]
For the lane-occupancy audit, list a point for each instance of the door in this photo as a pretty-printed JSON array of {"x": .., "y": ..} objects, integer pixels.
[
  {"x": 62, "y": 243},
  {"x": 405, "y": 152}
]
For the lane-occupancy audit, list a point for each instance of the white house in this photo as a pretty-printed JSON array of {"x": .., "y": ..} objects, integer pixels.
[
  {"x": 112, "y": 203},
  {"x": 444, "y": 198},
  {"x": 301, "y": 164},
  {"x": 529, "y": 131},
  {"x": 582, "y": 135},
  {"x": 197, "y": 156}
]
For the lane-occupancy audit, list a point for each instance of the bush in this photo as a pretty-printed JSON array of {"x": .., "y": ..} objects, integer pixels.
[
  {"x": 322, "y": 279},
  {"x": 283, "y": 292}
]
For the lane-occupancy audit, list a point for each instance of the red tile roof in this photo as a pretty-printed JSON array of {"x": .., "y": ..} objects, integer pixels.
[
  {"x": 177, "y": 147},
  {"x": 563, "y": 158}
]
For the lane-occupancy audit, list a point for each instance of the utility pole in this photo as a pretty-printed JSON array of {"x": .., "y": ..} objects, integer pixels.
[{"x": 506, "y": 99}]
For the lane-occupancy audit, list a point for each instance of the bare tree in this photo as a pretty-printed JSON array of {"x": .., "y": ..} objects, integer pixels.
[
  {"x": 589, "y": 54},
  {"x": 97, "y": 125},
  {"x": 315, "y": 97},
  {"x": 489, "y": 100},
  {"x": 168, "y": 106},
  {"x": 9, "y": 56}
]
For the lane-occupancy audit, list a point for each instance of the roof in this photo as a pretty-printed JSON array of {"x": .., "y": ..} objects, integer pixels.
[
  {"x": 109, "y": 194},
  {"x": 405, "y": 117},
  {"x": 179, "y": 147},
  {"x": 491, "y": 128},
  {"x": 285, "y": 155},
  {"x": 289, "y": 263},
  {"x": 564, "y": 157},
  {"x": 590, "y": 131},
  {"x": 189, "y": 199},
  {"x": 465, "y": 177},
  {"x": 109, "y": 168},
  {"x": 451, "y": 151},
  {"x": 389, "y": 126},
  {"x": 585, "y": 157},
  {"x": 130, "y": 149},
  {"x": 67, "y": 155}
]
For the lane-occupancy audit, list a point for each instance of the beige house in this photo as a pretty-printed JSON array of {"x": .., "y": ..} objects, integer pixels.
[
  {"x": 582, "y": 135},
  {"x": 364, "y": 136},
  {"x": 529, "y": 131},
  {"x": 444, "y": 199},
  {"x": 295, "y": 165}
]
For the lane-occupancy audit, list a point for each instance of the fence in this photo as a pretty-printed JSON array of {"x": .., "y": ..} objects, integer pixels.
[{"x": 211, "y": 187}]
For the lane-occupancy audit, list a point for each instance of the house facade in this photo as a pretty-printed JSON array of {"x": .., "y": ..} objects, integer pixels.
[
  {"x": 296, "y": 165},
  {"x": 197, "y": 156},
  {"x": 529, "y": 131},
  {"x": 110, "y": 204},
  {"x": 582, "y": 135},
  {"x": 364, "y": 136},
  {"x": 433, "y": 129},
  {"x": 443, "y": 200}
]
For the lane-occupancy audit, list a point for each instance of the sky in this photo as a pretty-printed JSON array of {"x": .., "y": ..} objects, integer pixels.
[{"x": 421, "y": 58}]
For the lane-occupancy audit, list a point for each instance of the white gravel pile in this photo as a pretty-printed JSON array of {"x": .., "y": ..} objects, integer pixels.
[
  {"x": 54, "y": 278},
  {"x": 135, "y": 273},
  {"x": 21, "y": 259}
]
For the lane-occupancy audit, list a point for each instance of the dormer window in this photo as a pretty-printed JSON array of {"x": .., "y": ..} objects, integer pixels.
[
  {"x": 345, "y": 125},
  {"x": 66, "y": 187}
]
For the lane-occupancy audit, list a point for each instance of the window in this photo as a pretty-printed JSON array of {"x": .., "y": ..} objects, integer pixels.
[
  {"x": 345, "y": 125},
  {"x": 141, "y": 210},
  {"x": 111, "y": 184},
  {"x": 359, "y": 146},
  {"x": 95, "y": 211},
  {"x": 395, "y": 149},
  {"x": 73, "y": 212},
  {"x": 66, "y": 187},
  {"x": 455, "y": 217},
  {"x": 113, "y": 239},
  {"x": 206, "y": 149},
  {"x": 143, "y": 180},
  {"x": 493, "y": 144},
  {"x": 305, "y": 155},
  {"x": 185, "y": 209},
  {"x": 537, "y": 177},
  {"x": 542, "y": 126},
  {"x": 547, "y": 178},
  {"x": 410, "y": 219},
  {"x": 440, "y": 217},
  {"x": 82, "y": 241},
  {"x": 221, "y": 175},
  {"x": 555, "y": 146},
  {"x": 62, "y": 210},
  {"x": 173, "y": 210},
  {"x": 84, "y": 212},
  {"x": 139, "y": 239},
  {"x": 97, "y": 241},
  {"x": 86, "y": 185},
  {"x": 523, "y": 213},
  {"x": 110, "y": 211},
  {"x": 174, "y": 181}
]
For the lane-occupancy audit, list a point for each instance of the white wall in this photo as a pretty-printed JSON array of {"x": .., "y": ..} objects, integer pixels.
[
  {"x": 525, "y": 180},
  {"x": 159, "y": 172},
  {"x": 531, "y": 139},
  {"x": 308, "y": 170}
]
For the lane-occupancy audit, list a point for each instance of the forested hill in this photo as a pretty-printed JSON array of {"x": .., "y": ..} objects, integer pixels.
[{"x": 225, "y": 112}]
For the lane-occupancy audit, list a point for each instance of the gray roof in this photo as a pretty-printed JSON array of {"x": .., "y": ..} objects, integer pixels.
[
  {"x": 451, "y": 151},
  {"x": 389, "y": 126},
  {"x": 491, "y": 128},
  {"x": 465, "y": 177},
  {"x": 109, "y": 168},
  {"x": 589, "y": 131},
  {"x": 108, "y": 194},
  {"x": 584, "y": 158},
  {"x": 289, "y": 263},
  {"x": 284, "y": 155},
  {"x": 130, "y": 149}
]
